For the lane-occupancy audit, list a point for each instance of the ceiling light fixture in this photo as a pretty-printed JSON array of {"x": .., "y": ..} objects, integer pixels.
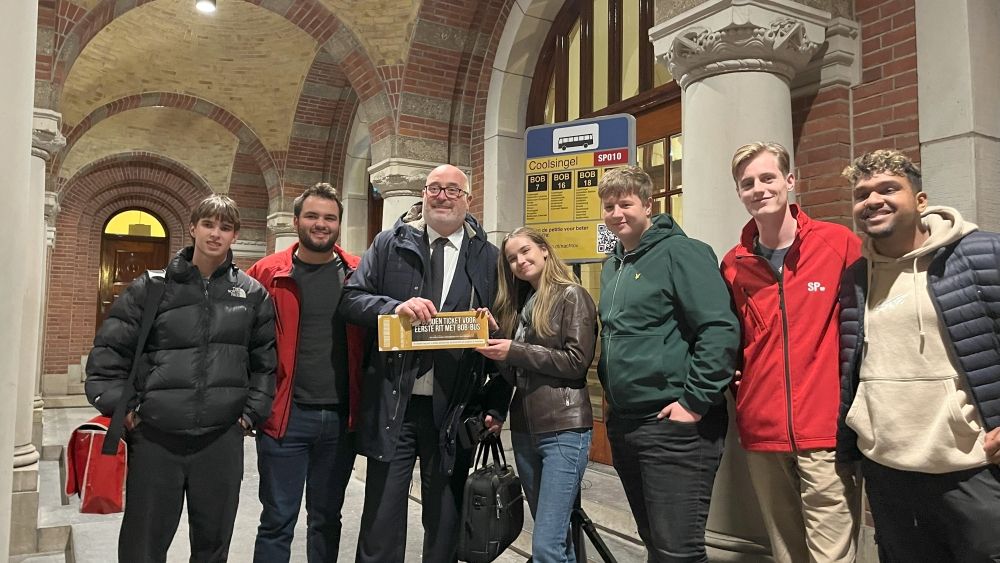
[{"x": 206, "y": 6}]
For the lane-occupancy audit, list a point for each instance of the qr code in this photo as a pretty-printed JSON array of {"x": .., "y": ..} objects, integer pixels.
[{"x": 606, "y": 240}]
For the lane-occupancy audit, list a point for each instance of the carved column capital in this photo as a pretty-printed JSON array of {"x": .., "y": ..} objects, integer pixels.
[
  {"x": 280, "y": 223},
  {"x": 723, "y": 36},
  {"x": 51, "y": 207},
  {"x": 46, "y": 135},
  {"x": 395, "y": 177}
]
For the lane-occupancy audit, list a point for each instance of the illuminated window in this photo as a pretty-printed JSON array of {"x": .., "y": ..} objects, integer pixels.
[
  {"x": 135, "y": 223},
  {"x": 599, "y": 56}
]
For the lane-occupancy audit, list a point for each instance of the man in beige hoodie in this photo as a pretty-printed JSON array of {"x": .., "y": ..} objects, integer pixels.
[{"x": 920, "y": 355}]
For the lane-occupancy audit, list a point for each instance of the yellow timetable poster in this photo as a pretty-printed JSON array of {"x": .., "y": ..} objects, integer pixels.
[{"x": 564, "y": 165}]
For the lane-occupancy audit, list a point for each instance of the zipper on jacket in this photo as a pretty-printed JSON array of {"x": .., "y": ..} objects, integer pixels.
[
  {"x": 607, "y": 362},
  {"x": 784, "y": 348},
  {"x": 206, "y": 340},
  {"x": 788, "y": 372}
]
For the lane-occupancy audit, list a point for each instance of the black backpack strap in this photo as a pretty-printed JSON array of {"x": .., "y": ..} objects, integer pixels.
[{"x": 157, "y": 285}]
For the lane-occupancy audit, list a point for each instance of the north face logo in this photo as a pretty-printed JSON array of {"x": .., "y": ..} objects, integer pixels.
[{"x": 237, "y": 292}]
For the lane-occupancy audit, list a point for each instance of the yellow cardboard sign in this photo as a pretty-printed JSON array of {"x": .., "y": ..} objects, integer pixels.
[{"x": 464, "y": 329}]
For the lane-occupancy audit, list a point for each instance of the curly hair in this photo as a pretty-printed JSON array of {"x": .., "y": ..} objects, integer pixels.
[{"x": 885, "y": 161}]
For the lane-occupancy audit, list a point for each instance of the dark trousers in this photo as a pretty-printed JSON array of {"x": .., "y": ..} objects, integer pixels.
[
  {"x": 383, "y": 522},
  {"x": 668, "y": 469},
  {"x": 317, "y": 453},
  {"x": 935, "y": 518},
  {"x": 163, "y": 469}
]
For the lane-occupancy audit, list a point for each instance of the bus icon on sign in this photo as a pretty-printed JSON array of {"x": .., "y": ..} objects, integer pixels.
[
  {"x": 575, "y": 141},
  {"x": 576, "y": 138}
]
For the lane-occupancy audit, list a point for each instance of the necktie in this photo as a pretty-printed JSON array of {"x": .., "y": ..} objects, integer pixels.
[
  {"x": 437, "y": 290},
  {"x": 437, "y": 271}
]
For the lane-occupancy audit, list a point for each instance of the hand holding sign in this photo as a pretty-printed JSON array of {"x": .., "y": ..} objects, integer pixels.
[
  {"x": 418, "y": 309},
  {"x": 497, "y": 350},
  {"x": 466, "y": 329}
]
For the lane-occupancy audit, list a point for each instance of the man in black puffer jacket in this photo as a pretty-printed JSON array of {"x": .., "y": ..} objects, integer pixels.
[
  {"x": 920, "y": 369},
  {"x": 205, "y": 377}
]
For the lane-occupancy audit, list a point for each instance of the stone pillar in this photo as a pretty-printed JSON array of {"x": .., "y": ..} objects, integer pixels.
[
  {"x": 46, "y": 141},
  {"x": 280, "y": 213},
  {"x": 18, "y": 30},
  {"x": 958, "y": 65},
  {"x": 734, "y": 60},
  {"x": 51, "y": 203},
  {"x": 400, "y": 182}
]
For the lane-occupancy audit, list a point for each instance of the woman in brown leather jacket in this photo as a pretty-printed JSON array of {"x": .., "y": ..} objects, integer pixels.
[{"x": 552, "y": 319}]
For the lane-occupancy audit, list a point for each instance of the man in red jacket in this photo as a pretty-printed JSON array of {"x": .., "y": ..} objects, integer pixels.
[
  {"x": 785, "y": 276},
  {"x": 306, "y": 440}
]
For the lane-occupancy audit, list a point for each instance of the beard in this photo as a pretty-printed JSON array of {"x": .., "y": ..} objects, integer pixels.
[
  {"x": 306, "y": 240},
  {"x": 886, "y": 232}
]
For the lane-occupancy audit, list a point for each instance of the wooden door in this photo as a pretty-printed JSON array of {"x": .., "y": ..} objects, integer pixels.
[
  {"x": 124, "y": 258},
  {"x": 658, "y": 128}
]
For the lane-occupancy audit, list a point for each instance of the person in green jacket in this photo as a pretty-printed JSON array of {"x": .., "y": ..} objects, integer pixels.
[{"x": 669, "y": 341}]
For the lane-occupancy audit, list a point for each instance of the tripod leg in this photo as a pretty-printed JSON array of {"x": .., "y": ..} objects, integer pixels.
[
  {"x": 581, "y": 519},
  {"x": 576, "y": 533}
]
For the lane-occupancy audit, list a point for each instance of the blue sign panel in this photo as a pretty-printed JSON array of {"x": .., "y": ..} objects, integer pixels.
[{"x": 589, "y": 135}]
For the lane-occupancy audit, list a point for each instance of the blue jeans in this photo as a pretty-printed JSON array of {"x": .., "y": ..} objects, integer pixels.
[
  {"x": 316, "y": 452},
  {"x": 551, "y": 466}
]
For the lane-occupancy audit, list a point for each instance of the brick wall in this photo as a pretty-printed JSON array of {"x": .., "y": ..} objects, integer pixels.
[
  {"x": 821, "y": 124},
  {"x": 317, "y": 145},
  {"x": 836, "y": 124},
  {"x": 885, "y": 104}
]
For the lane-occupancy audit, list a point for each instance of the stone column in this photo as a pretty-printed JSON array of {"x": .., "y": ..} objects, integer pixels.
[
  {"x": 400, "y": 182},
  {"x": 18, "y": 30},
  {"x": 279, "y": 222},
  {"x": 734, "y": 60},
  {"x": 46, "y": 140},
  {"x": 958, "y": 65},
  {"x": 49, "y": 232}
]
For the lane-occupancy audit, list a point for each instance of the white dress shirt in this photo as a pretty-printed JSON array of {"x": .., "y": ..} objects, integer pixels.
[{"x": 424, "y": 385}]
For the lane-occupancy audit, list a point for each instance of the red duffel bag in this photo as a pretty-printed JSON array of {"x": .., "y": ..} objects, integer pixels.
[{"x": 98, "y": 479}]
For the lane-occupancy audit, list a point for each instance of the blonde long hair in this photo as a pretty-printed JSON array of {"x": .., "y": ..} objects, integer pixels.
[{"x": 513, "y": 292}]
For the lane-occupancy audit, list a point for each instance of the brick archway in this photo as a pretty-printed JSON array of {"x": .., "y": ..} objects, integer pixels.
[
  {"x": 310, "y": 16},
  {"x": 205, "y": 108},
  {"x": 323, "y": 113},
  {"x": 90, "y": 198}
]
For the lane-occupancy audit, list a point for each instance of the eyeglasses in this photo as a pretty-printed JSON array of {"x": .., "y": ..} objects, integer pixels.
[{"x": 451, "y": 192}]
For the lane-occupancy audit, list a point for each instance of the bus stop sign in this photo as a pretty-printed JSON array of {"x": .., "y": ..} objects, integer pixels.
[{"x": 563, "y": 164}]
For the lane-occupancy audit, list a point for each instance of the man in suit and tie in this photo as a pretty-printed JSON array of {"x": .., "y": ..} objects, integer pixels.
[{"x": 435, "y": 258}]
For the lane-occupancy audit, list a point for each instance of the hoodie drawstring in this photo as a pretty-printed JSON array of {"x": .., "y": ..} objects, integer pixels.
[
  {"x": 916, "y": 298},
  {"x": 871, "y": 275}
]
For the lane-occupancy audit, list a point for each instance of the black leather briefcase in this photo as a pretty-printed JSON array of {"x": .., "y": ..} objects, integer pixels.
[{"x": 492, "y": 507}]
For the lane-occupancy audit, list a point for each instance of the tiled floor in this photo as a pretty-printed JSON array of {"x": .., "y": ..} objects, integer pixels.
[{"x": 96, "y": 536}]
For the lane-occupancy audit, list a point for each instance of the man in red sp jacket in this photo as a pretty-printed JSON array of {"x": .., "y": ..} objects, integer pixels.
[
  {"x": 784, "y": 275},
  {"x": 306, "y": 441}
]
